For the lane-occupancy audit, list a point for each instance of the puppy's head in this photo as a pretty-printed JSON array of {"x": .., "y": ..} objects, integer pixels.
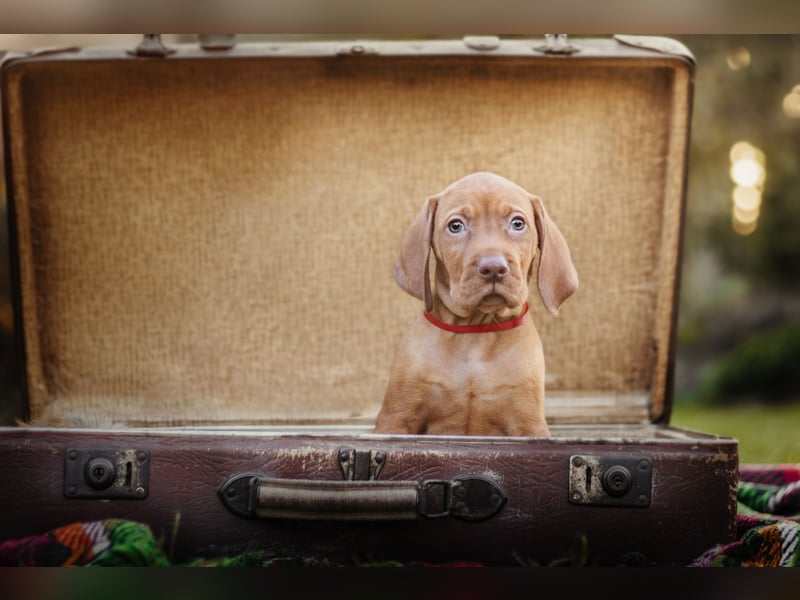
[{"x": 484, "y": 231}]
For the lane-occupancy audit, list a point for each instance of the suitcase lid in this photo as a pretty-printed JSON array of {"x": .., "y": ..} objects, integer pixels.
[{"x": 208, "y": 237}]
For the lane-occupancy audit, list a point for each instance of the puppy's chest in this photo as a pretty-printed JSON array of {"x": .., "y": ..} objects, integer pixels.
[
  {"x": 473, "y": 367},
  {"x": 469, "y": 369}
]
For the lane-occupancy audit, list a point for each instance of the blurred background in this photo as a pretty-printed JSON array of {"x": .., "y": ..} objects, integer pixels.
[{"x": 738, "y": 355}]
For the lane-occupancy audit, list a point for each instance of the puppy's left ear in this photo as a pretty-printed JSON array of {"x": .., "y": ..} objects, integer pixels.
[{"x": 557, "y": 278}]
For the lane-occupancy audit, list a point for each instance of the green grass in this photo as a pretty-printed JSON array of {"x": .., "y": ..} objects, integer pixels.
[{"x": 766, "y": 433}]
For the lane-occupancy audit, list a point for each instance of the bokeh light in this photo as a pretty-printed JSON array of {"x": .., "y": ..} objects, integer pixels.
[
  {"x": 738, "y": 58},
  {"x": 746, "y": 198},
  {"x": 746, "y": 150},
  {"x": 745, "y": 216},
  {"x": 791, "y": 103},
  {"x": 743, "y": 228},
  {"x": 748, "y": 172}
]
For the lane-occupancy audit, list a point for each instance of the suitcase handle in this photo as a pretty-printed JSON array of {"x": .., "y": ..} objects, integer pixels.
[{"x": 469, "y": 498}]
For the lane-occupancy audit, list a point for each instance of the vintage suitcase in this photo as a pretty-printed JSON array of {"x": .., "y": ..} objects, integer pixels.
[{"x": 203, "y": 243}]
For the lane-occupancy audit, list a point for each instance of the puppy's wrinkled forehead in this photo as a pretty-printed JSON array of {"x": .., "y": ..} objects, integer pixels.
[{"x": 483, "y": 193}]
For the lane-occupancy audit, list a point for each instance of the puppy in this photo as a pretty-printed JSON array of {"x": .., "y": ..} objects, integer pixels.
[{"x": 472, "y": 362}]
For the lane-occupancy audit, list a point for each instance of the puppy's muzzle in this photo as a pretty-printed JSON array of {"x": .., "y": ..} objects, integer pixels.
[{"x": 493, "y": 268}]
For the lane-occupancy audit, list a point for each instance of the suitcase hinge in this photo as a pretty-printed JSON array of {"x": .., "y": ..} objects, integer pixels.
[
  {"x": 482, "y": 43},
  {"x": 361, "y": 465},
  {"x": 216, "y": 41},
  {"x": 557, "y": 43},
  {"x": 151, "y": 46}
]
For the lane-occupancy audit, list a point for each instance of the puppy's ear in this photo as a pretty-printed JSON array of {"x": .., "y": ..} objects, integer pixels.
[
  {"x": 557, "y": 277},
  {"x": 411, "y": 268}
]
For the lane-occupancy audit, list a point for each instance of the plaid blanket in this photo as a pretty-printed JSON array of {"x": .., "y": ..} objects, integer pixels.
[
  {"x": 768, "y": 526},
  {"x": 767, "y": 523}
]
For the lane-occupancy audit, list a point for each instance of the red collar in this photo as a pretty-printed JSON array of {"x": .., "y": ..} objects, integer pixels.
[{"x": 502, "y": 326}]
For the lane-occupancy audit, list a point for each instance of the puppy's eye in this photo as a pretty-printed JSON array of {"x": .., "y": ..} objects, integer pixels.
[
  {"x": 455, "y": 226},
  {"x": 518, "y": 224}
]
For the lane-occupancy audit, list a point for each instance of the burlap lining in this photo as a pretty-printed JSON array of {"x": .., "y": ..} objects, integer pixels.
[{"x": 212, "y": 241}]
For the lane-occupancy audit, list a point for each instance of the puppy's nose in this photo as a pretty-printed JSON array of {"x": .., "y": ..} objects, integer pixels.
[{"x": 493, "y": 268}]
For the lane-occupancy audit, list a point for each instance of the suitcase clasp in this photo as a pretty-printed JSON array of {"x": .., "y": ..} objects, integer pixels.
[
  {"x": 612, "y": 480},
  {"x": 361, "y": 465},
  {"x": 106, "y": 473}
]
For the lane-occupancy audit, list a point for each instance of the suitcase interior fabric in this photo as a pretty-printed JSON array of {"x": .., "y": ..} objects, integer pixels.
[{"x": 207, "y": 239}]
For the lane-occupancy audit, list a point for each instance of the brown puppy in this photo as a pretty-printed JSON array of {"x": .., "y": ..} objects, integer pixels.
[{"x": 472, "y": 363}]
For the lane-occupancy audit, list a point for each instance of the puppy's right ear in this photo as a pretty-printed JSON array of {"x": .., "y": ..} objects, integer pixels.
[{"x": 411, "y": 268}]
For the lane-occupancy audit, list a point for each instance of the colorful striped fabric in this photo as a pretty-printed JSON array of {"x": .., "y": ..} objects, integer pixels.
[
  {"x": 111, "y": 542},
  {"x": 770, "y": 474},
  {"x": 768, "y": 520}
]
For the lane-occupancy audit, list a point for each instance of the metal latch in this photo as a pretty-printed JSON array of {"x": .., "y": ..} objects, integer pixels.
[
  {"x": 106, "y": 473},
  {"x": 610, "y": 480},
  {"x": 361, "y": 465}
]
